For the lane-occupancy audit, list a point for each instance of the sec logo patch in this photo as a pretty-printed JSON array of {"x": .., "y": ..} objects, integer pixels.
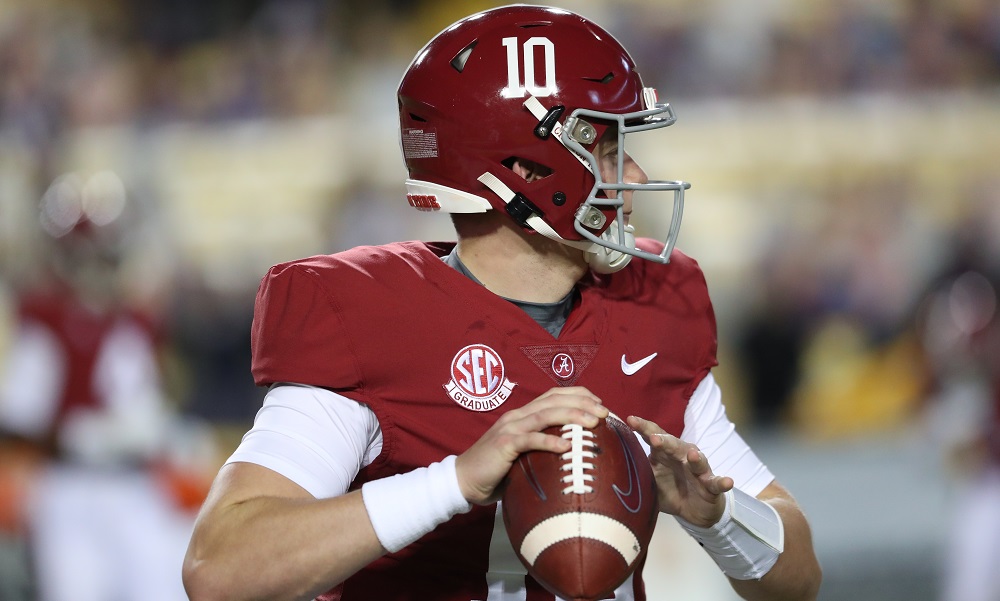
[{"x": 478, "y": 381}]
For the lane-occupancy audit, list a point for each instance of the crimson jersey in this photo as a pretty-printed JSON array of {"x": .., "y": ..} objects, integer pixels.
[
  {"x": 81, "y": 335},
  {"x": 438, "y": 358}
]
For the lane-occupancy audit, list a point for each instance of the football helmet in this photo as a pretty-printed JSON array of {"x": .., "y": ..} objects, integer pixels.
[
  {"x": 87, "y": 222},
  {"x": 531, "y": 84}
]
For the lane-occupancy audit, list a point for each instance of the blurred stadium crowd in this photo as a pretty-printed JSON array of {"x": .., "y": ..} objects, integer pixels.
[
  {"x": 158, "y": 155},
  {"x": 99, "y": 62}
]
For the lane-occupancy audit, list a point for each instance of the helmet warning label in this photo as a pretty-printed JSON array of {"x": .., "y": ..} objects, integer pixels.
[{"x": 419, "y": 144}]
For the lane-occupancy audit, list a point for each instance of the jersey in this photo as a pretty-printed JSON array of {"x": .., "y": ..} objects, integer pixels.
[
  {"x": 71, "y": 358},
  {"x": 438, "y": 358}
]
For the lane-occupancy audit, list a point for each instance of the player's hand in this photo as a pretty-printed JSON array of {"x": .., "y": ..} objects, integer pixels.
[
  {"x": 484, "y": 465},
  {"x": 687, "y": 487}
]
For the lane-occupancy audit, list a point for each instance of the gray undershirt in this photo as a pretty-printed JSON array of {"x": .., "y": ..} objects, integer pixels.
[{"x": 551, "y": 316}]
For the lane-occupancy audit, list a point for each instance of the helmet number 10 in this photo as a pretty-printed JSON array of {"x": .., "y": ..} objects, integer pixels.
[{"x": 515, "y": 87}]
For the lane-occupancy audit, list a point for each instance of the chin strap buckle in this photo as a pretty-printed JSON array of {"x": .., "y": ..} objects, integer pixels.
[
  {"x": 522, "y": 209},
  {"x": 527, "y": 214}
]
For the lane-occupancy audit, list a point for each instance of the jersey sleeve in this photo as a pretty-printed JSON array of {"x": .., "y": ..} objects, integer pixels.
[
  {"x": 707, "y": 426},
  {"x": 32, "y": 375},
  {"x": 314, "y": 437},
  {"x": 298, "y": 334}
]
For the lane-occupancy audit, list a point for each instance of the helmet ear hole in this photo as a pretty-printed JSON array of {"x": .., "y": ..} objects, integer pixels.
[{"x": 528, "y": 169}]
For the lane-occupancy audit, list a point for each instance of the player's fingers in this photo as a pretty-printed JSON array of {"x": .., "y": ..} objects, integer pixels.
[
  {"x": 699, "y": 466},
  {"x": 538, "y": 441},
  {"x": 669, "y": 446},
  {"x": 697, "y": 462},
  {"x": 647, "y": 429},
  {"x": 719, "y": 485},
  {"x": 558, "y": 415},
  {"x": 508, "y": 447},
  {"x": 576, "y": 396},
  {"x": 556, "y": 401},
  {"x": 571, "y": 390}
]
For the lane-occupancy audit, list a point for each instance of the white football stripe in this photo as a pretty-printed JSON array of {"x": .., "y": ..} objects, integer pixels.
[{"x": 580, "y": 525}]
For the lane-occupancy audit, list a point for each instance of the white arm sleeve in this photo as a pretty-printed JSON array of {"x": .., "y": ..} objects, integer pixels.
[
  {"x": 707, "y": 426},
  {"x": 30, "y": 381},
  {"x": 312, "y": 436}
]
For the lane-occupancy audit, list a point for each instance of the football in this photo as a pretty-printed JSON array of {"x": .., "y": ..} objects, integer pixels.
[{"x": 581, "y": 521}]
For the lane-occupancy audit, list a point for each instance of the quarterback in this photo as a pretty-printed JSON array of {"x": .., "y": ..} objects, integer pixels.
[{"x": 403, "y": 380}]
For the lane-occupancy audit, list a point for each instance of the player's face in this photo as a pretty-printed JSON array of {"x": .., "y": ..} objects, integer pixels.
[{"x": 607, "y": 156}]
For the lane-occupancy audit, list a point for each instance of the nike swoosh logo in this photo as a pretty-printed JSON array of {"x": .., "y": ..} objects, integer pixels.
[
  {"x": 631, "y": 368},
  {"x": 529, "y": 473},
  {"x": 634, "y": 492}
]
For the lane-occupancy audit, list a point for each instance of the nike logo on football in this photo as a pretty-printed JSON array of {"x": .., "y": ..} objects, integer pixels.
[
  {"x": 529, "y": 473},
  {"x": 634, "y": 492},
  {"x": 631, "y": 368}
]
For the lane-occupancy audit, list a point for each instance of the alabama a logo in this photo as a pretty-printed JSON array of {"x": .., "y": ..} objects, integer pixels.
[
  {"x": 477, "y": 379},
  {"x": 563, "y": 366}
]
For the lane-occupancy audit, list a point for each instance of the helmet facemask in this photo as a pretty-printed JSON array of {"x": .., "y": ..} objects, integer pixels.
[{"x": 613, "y": 245}]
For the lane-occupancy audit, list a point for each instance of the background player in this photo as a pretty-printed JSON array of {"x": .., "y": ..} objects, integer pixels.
[{"x": 82, "y": 388}]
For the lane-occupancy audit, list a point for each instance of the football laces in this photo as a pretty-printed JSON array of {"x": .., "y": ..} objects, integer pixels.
[{"x": 576, "y": 460}]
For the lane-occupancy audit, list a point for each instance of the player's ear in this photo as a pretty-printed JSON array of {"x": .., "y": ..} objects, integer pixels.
[
  {"x": 523, "y": 168},
  {"x": 529, "y": 170}
]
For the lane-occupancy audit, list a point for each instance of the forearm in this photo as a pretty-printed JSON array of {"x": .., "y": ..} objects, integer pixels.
[
  {"x": 796, "y": 575},
  {"x": 261, "y": 536},
  {"x": 279, "y": 548}
]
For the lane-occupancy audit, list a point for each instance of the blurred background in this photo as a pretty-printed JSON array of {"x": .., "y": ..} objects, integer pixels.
[{"x": 157, "y": 156}]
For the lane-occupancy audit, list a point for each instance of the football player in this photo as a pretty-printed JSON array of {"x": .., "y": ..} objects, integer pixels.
[
  {"x": 82, "y": 387},
  {"x": 405, "y": 379}
]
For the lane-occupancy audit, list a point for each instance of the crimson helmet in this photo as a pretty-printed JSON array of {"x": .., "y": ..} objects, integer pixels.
[{"x": 538, "y": 84}]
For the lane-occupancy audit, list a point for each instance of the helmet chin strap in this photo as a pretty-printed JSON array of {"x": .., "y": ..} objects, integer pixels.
[
  {"x": 608, "y": 260},
  {"x": 599, "y": 258}
]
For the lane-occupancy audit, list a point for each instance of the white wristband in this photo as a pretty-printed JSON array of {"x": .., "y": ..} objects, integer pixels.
[
  {"x": 747, "y": 539},
  {"x": 404, "y": 507}
]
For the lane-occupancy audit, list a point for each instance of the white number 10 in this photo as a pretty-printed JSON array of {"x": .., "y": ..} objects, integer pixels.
[{"x": 514, "y": 88}]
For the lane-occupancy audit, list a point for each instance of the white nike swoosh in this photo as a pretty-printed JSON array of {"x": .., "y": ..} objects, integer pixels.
[{"x": 631, "y": 368}]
